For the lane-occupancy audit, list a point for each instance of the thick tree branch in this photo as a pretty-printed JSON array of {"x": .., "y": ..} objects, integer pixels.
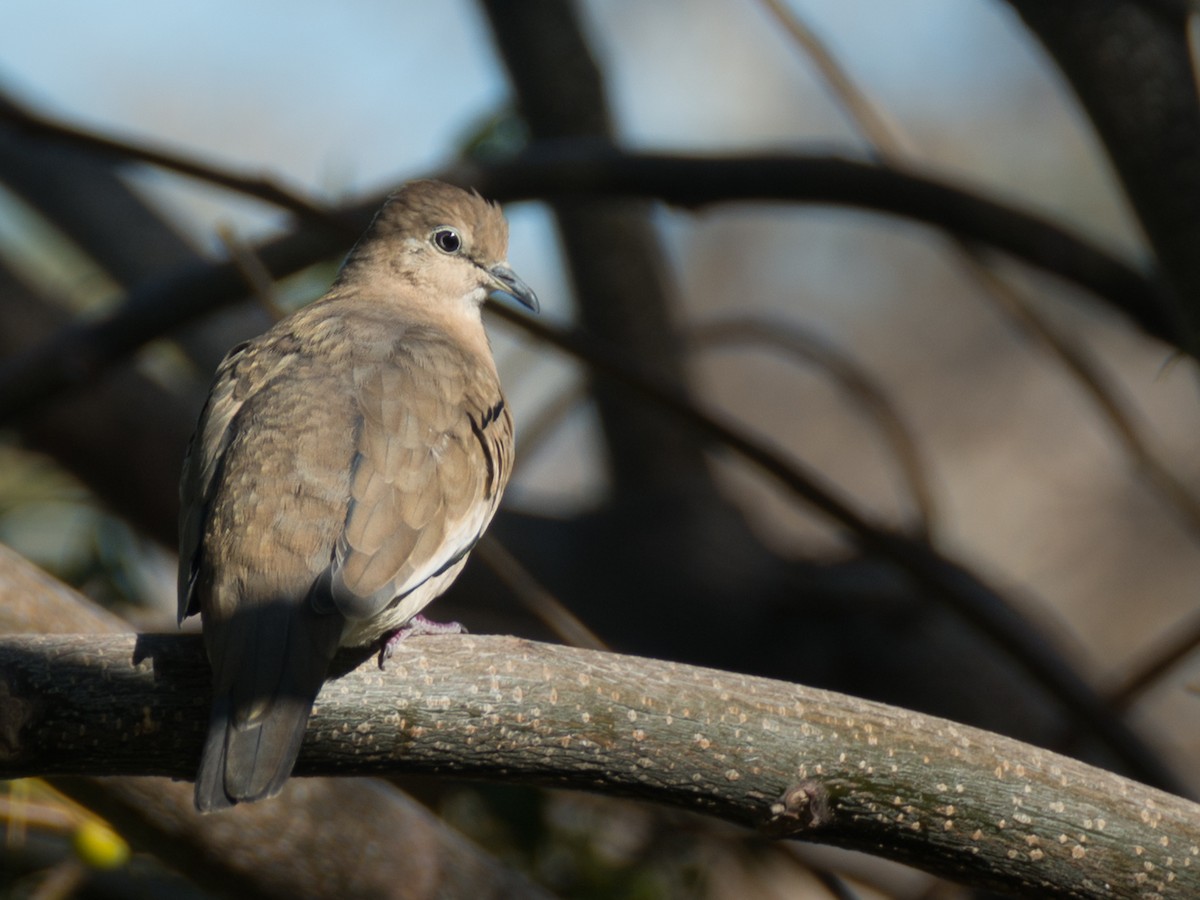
[
  {"x": 296, "y": 847},
  {"x": 790, "y": 761}
]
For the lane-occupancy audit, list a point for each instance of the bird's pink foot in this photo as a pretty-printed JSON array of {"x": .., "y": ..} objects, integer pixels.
[{"x": 417, "y": 625}]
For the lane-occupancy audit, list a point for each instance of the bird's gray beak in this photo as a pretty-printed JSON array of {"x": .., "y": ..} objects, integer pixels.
[{"x": 507, "y": 282}]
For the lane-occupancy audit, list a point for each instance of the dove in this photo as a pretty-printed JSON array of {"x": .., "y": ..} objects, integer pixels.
[{"x": 343, "y": 467}]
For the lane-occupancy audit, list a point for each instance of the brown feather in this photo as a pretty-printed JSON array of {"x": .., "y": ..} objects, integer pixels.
[{"x": 344, "y": 465}]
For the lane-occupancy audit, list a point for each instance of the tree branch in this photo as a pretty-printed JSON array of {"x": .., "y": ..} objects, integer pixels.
[
  {"x": 78, "y": 354},
  {"x": 20, "y": 120},
  {"x": 295, "y": 847},
  {"x": 1130, "y": 66},
  {"x": 859, "y": 386},
  {"x": 624, "y": 292},
  {"x": 893, "y": 147},
  {"x": 553, "y": 170},
  {"x": 788, "y": 760}
]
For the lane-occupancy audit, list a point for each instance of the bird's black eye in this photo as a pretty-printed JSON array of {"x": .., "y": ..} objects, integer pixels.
[{"x": 446, "y": 239}]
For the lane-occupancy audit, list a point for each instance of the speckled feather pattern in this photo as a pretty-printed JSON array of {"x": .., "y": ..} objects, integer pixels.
[{"x": 346, "y": 462}]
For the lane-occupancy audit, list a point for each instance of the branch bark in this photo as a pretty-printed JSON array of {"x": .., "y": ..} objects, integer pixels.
[
  {"x": 791, "y": 761},
  {"x": 301, "y": 846}
]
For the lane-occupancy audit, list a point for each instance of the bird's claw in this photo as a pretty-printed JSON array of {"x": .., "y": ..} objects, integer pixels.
[{"x": 417, "y": 625}]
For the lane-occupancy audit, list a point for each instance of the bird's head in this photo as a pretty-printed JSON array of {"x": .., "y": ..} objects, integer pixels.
[{"x": 443, "y": 241}]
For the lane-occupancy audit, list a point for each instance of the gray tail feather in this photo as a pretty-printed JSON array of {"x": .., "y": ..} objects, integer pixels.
[
  {"x": 241, "y": 764},
  {"x": 263, "y": 693}
]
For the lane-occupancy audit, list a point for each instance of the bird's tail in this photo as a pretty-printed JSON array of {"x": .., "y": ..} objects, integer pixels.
[{"x": 269, "y": 662}]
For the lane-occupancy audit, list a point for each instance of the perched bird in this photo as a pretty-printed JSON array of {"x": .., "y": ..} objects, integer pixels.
[{"x": 345, "y": 464}]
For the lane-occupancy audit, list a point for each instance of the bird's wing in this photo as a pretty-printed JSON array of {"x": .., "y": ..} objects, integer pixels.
[
  {"x": 240, "y": 375},
  {"x": 434, "y": 448},
  {"x": 204, "y": 453}
]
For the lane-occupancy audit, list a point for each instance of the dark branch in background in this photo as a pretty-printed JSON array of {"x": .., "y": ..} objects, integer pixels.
[
  {"x": 543, "y": 605},
  {"x": 1171, "y": 12},
  {"x": 888, "y": 141},
  {"x": 17, "y": 119},
  {"x": 83, "y": 197},
  {"x": 853, "y": 379},
  {"x": 623, "y": 288},
  {"x": 81, "y": 352},
  {"x": 125, "y": 424},
  {"x": 1130, "y": 66},
  {"x": 790, "y": 761},
  {"x": 1182, "y": 642},
  {"x": 155, "y": 309},
  {"x": 891, "y": 144},
  {"x": 570, "y": 169}
]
